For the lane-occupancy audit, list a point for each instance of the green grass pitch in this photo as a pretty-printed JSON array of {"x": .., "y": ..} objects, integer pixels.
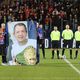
[{"x": 47, "y": 69}]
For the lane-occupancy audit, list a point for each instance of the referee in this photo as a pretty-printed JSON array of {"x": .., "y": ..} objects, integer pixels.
[
  {"x": 67, "y": 35},
  {"x": 55, "y": 38},
  {"x": 77, "y": 38}
]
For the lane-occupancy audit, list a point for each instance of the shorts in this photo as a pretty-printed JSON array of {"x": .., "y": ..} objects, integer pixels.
[
  {"x": 55, "y": 44},
  {"x": 77, "y": 44},
  {"x": 67, "y": 42},
  {"x": 41, "y": 41}
]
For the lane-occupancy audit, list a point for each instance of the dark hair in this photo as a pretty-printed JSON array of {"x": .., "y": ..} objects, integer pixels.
[{"x": 20, "y": 24}]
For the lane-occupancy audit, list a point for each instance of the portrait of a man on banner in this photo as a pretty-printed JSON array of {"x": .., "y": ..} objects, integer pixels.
[{"x": 23, "y": 51}]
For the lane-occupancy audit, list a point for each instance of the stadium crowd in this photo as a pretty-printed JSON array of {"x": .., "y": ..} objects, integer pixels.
[{"x": 49, "y": 13}]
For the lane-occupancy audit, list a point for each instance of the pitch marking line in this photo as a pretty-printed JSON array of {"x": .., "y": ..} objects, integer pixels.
[{"x": 69, "y": 63}]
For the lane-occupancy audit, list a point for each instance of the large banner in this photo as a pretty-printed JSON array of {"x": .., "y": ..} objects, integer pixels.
[{"x": 21, "y": 48}]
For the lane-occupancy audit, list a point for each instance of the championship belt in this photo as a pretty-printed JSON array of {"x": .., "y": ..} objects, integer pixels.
[{"x": 27, "y": 56}]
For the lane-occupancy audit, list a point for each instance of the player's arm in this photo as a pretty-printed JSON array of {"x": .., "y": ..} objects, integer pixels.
[
  {"x": 59, "y": 35},
  {"x": 51, "y": 36},
  {"x": 72, "y": 34},
  {"x": 63, "y": 34}
]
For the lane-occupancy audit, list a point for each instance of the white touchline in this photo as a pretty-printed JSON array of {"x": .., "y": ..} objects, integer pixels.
[
  {"x": 72, "y": 66},
  {"x": 69, "y": 63}
]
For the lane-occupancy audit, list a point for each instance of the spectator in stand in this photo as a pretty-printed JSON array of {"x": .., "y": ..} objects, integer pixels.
[
  {"x": 1, "y": 19},
  {"x": 27, "y": 11}
]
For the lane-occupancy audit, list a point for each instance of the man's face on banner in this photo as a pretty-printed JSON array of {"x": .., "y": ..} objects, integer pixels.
[{"x": 20, "y": 33}]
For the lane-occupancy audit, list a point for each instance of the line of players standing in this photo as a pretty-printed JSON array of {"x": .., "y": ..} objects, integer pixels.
[{"x": 68, "y": 37}]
